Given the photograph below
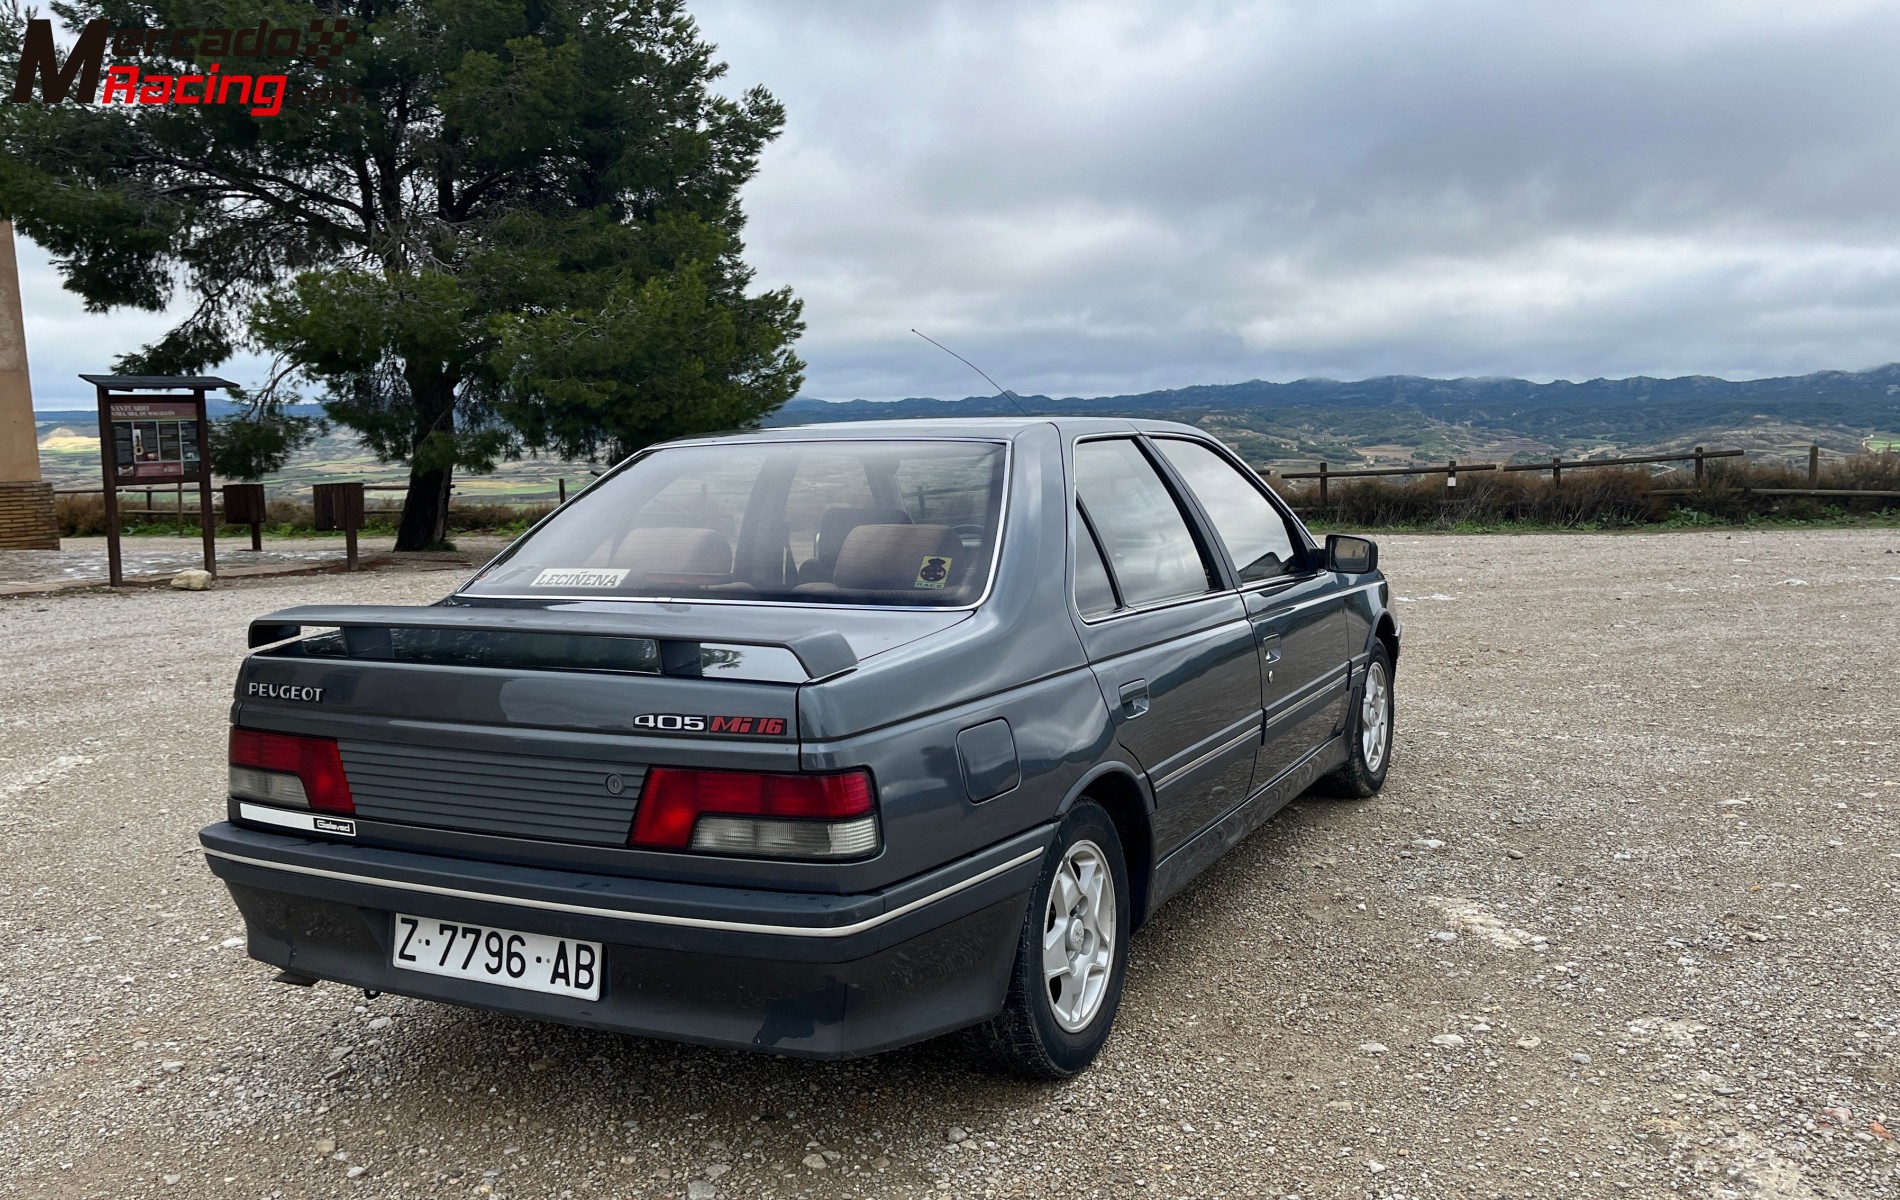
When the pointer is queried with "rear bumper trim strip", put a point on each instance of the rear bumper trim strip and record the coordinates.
(618, 914)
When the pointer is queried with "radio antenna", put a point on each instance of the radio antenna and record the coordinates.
(1002, 391)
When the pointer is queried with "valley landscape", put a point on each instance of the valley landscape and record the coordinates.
(1389, 421)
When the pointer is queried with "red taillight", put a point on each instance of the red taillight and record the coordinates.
(316, 763)
(675, 799)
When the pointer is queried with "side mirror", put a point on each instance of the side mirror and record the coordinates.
(1351, 555)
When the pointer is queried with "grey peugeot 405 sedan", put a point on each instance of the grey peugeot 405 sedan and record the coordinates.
(816, 741)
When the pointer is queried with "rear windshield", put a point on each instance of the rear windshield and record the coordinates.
(821, 522)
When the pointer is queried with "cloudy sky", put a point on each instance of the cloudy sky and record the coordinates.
(1103, 197)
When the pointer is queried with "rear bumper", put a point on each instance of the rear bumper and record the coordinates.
(813, 975)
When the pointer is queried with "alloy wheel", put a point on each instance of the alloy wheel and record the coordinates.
(1078, 936)
(1375, 719)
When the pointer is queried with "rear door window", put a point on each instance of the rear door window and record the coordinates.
(1256, 536)
(1148, 541)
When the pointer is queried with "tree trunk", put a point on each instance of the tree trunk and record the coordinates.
(425, 510)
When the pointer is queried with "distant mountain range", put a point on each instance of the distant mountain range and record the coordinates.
(1390, 420)
(1407, 417)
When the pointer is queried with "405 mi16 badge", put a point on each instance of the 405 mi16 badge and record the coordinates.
(707, 723)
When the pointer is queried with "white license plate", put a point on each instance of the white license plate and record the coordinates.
(531, 961)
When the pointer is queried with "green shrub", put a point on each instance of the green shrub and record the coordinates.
(1583, 499)
(80, 516)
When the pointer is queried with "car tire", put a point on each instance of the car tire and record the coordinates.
(1369, 730)
(1053, 1023)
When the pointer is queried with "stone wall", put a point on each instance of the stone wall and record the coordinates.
(26, 517)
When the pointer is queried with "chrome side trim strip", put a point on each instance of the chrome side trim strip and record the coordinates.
(642, 918)
(1341, 594)
(1252, 731)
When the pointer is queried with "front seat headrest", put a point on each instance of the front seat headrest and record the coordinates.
(672, 550)
(837, 523)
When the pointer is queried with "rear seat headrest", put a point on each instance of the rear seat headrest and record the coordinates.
(922, 558)
(671, 550)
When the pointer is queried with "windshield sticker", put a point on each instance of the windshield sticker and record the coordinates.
(933, 572)
(581, 577)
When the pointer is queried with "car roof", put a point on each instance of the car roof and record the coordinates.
(1002, 428)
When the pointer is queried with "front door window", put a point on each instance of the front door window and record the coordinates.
(1252, 529)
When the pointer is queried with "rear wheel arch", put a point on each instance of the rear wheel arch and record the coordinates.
(1071, 955)
(1120, 793)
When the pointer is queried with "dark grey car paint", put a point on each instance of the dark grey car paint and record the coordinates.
(920, 708)
(1301, 630)
(1184, 689)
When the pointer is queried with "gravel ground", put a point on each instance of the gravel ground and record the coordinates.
(1623, 923)
(83, 560)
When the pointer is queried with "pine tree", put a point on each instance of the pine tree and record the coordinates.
(521, 234)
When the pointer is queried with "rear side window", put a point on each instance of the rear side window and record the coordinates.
(910, 523)
(1252, 529)
(1147, 540)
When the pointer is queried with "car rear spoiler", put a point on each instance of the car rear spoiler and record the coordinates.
(822, 653)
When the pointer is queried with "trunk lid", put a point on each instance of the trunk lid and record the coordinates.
(540, 722)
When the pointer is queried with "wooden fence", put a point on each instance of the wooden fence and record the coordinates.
(1556, 467)
(557, 496)
(177, 511)
(181, 514)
